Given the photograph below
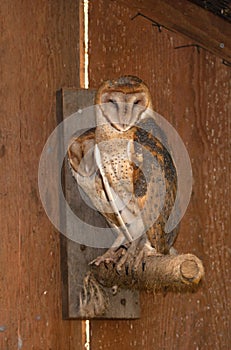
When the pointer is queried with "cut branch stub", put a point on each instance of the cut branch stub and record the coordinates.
(160, 271)
(189, 270)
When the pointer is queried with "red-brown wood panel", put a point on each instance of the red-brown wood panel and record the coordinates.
(192, 91)
(39, 55)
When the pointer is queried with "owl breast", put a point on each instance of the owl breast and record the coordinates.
(116, 158)
(114, 149)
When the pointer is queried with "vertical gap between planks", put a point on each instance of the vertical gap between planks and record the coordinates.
(20, 230)
(84, 83)
(83, 40)
(87, 335)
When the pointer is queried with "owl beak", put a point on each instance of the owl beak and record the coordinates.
(124, 118)
(122, 127)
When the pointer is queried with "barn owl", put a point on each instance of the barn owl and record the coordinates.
(133, 175)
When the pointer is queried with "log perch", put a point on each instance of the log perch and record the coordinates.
(178, 273)
(174, 272)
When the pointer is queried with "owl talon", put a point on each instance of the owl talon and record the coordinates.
(123, 247)
(111, 256)
(118, 273)
(127, 260)
(133, 271)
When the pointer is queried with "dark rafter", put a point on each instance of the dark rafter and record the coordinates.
(221, 8)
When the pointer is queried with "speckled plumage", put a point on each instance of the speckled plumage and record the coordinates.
(132, 166)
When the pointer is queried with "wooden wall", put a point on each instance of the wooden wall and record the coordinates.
(39, 55)
(192, 91)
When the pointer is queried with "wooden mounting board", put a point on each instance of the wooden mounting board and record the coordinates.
(74, 256)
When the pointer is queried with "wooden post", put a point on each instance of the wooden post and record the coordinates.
(75, 257)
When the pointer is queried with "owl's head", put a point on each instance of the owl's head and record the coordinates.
(123, 101)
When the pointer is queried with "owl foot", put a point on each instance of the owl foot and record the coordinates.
(128, 258)
(112, 255)
(136, 256)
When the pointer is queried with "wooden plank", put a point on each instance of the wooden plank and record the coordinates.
(202, 27)
(9, 181)
(76, 256)
(39, 54)
(192, 91)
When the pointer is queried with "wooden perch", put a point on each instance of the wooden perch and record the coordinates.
(173, 272)
(160, 272)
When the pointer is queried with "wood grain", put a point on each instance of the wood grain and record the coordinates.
(204, 28)
(192, 91)
(39, 55)
(163, 272)
(76, 256)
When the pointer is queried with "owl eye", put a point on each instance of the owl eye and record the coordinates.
(112, 101)
(115, 104)
(137, 102)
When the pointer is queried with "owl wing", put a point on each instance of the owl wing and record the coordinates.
(155, 184)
